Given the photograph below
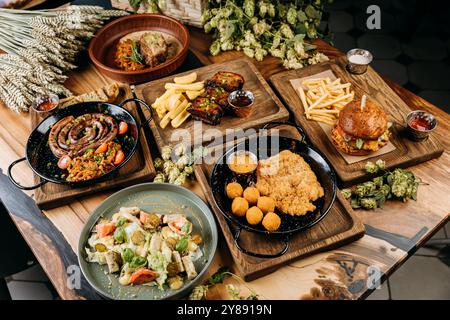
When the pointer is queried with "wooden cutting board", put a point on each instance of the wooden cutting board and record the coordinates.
(340, 226)
(138, 169)
(267, 106)
(407, 153)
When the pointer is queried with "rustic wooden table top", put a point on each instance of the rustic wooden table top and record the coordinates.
(393, 233)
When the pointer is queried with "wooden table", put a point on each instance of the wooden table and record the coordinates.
(393, 233)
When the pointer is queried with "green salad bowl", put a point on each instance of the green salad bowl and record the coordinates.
(161, 198)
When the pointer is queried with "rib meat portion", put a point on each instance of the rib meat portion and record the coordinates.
(154, 48)
(230, 81)
(206, 109)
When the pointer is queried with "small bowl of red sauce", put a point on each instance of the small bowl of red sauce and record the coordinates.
(45, 104)
(241, 102)
(420, 124)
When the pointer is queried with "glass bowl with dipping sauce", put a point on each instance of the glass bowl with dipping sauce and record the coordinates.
(241, 102)
(419, 124)
(45, 104)
(358, 60)
(243, 164)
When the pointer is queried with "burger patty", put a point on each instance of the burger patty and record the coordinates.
(348, 144)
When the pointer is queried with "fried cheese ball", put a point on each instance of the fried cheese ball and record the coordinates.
(266, 204)
(251, 194)
(254, 216)
(234, 190)
(271, 221)
(239, 207)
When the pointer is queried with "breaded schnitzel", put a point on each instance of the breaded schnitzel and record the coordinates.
(289, 180)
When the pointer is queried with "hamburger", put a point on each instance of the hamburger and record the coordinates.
(360, 131)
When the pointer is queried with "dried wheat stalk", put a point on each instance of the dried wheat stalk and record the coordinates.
(40, 46)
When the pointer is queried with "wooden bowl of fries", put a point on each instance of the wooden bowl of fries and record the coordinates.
(102, 46)
(324, 98)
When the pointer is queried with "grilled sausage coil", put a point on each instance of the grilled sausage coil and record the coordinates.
(73, 136)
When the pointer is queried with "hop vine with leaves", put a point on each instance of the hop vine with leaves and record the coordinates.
(200, 291)
(263, 27)
(150, 6)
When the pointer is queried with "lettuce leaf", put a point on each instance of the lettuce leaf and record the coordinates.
(157, 262)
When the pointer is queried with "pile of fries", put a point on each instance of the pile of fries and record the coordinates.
(171, 107)
(324, 99)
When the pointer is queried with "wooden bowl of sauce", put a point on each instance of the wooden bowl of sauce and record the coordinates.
(45, 105)
(241, 102)
(419, 124)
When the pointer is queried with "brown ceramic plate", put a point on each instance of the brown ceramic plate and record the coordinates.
(103, 46)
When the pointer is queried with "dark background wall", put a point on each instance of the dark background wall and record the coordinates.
(412, 48)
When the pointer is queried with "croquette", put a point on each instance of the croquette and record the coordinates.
(271, 221)
(266, 204)
(254, 216)
(251, 194)
(239, 207)
(234, 190)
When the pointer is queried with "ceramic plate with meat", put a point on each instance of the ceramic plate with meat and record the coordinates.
(145, 49)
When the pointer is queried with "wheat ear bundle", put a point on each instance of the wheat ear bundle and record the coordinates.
(40, 47)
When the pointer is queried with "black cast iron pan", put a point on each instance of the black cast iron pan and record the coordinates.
(264, 148)
(44, 163)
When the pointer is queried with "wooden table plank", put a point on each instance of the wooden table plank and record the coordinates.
(397, 225)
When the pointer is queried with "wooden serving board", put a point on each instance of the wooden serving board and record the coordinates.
(267, 106)
(407, 153)
(340, 226)
(138, 169)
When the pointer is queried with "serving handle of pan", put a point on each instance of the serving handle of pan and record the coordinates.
(139, 101)
(261, 255)
(18, 185)
(286, 123)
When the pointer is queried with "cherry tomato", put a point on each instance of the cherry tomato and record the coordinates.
(120, 156)
(102, 148)
(123, 127)
(64, 162)
(143, 275)
(105, 229)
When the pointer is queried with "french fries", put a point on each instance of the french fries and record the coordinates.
(171, 106)
(181, 117)
(324, 99)
(173, 101)
(187, 79)
(194, 94)
(196, 86)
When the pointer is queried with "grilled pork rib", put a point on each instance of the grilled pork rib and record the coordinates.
(154, 48)
(205, 109)
(218, 94)
(230, 81)
(210, 106)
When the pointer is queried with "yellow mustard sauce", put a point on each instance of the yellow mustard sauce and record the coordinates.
(242, 164)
